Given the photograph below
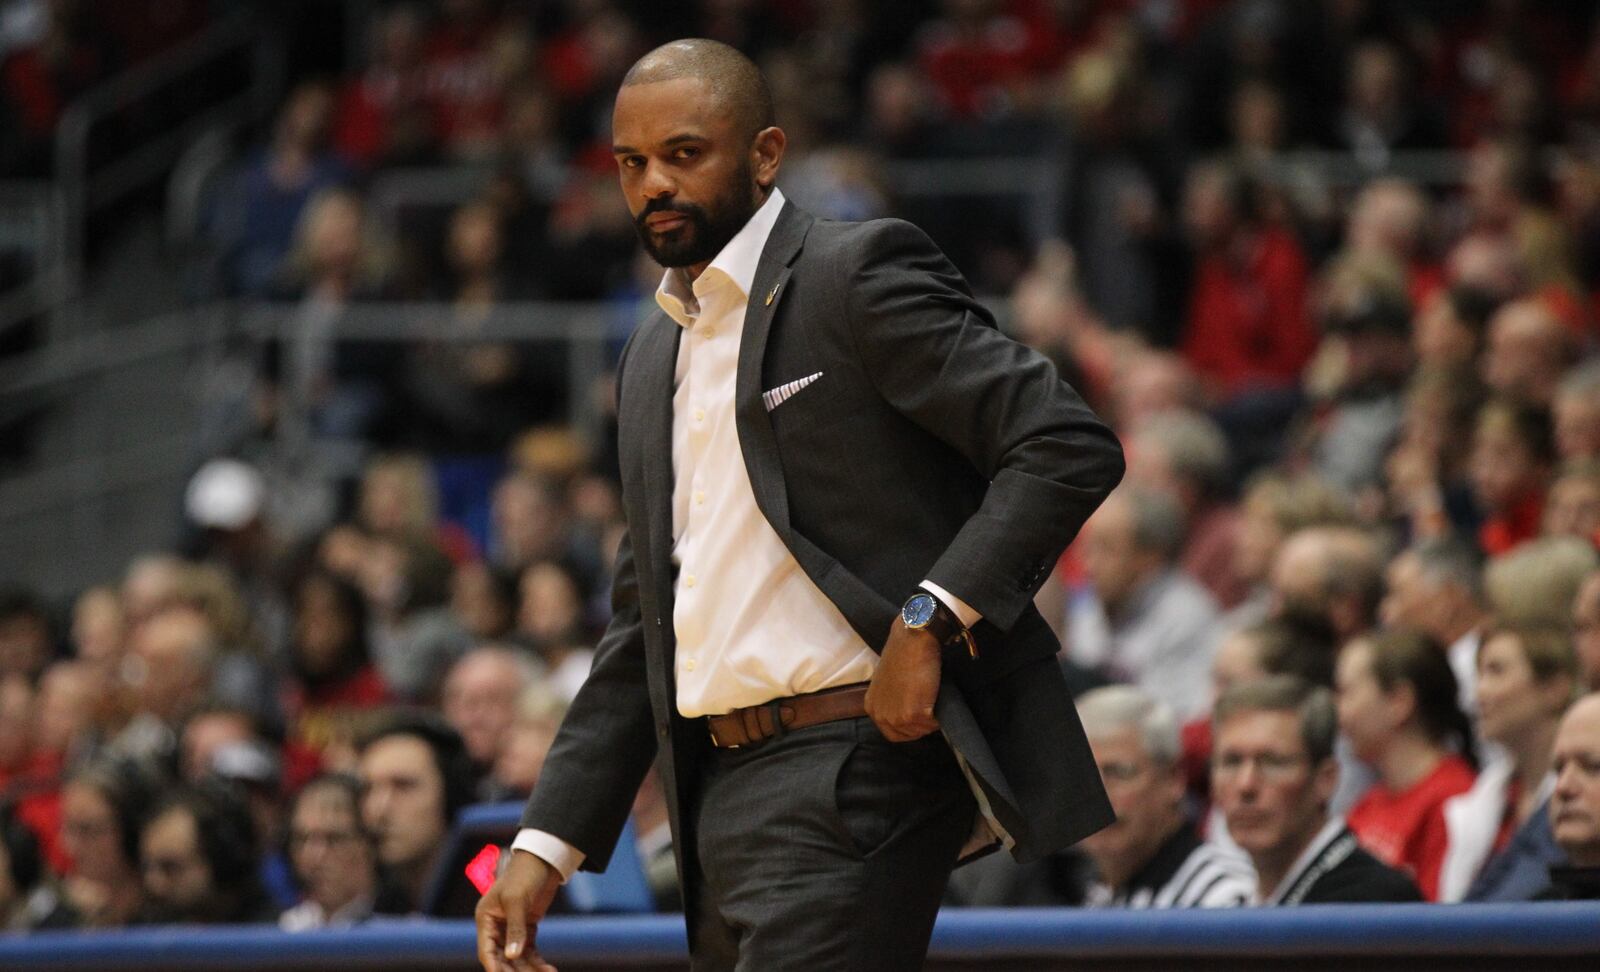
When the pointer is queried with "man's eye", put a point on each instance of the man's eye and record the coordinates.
(686, 153)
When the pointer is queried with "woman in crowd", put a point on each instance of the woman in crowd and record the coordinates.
(1500, 846)
(1397, 707)
(102, 805)
(334, 677)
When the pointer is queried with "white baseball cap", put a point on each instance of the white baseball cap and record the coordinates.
(225, 494)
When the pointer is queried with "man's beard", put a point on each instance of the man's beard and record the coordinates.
(704, 232)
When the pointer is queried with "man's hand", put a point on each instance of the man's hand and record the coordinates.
(905, 686)
(509, 913)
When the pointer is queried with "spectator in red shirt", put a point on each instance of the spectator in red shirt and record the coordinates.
(978, 56)
(334, 678)
(382, 115)
(38, 81)
(1510, 466)
(1248, 327)
(1398, 707)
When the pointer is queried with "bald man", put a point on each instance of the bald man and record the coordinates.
(843, 487)
(1527, 352)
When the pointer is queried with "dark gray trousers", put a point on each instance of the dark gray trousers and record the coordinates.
(826, 849)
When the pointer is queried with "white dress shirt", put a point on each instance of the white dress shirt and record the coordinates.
(750, 624)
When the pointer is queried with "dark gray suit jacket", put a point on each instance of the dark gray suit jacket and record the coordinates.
(931, 447)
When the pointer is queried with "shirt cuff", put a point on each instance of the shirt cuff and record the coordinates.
(551, 849)
(962, 609)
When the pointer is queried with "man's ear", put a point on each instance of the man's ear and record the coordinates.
(1325, 780)
(766, 155)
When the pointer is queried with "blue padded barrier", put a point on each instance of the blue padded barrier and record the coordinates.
(964, 938)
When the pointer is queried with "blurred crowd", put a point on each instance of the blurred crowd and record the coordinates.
(1342, 617)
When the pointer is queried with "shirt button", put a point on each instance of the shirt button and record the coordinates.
(699, 415)
(688, 581)
(710, 333)
(699, 499)
(688, 665)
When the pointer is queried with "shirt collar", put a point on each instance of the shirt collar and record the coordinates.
(1330, 832)
(736, 263)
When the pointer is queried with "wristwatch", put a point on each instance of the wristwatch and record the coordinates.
(924, 612)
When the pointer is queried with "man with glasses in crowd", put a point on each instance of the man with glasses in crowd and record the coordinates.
(1273, 773)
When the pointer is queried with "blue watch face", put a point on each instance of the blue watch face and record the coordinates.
(919, 610)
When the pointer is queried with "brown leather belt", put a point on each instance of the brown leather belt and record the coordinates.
(757, 723)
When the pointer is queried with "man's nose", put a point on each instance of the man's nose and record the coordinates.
(1567, 782)
(657, 182)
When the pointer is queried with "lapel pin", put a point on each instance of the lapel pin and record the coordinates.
(773, 293)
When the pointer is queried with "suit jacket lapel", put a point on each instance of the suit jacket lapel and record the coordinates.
(657, 358)
(756, 440)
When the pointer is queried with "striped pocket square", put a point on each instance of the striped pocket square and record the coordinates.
(786, 391)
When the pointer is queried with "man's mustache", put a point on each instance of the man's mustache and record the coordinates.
(695, 213)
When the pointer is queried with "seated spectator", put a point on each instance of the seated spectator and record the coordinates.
(1448, 333)
(1426, 472)
(1273, 773)
(1390, 218)
(1329, 576)
(1435, 587)
(1575, 802)
(1576, 412)
(1586, 632)
(480, 700)
(334, 859)
(26, 642)
(472, 396)
(257, 218)
(197, 851)
(333, 679)
(1397, 706)
(1185, 455)
(415, 775)
(414, 637)
(1151, 856)
(1274, 508)
(1364, 362)
(99, 628)
(1500, 841)
(1510, 467)
(1527, 351)
(527, 743)
(167, 674)
(550, 621)
(102, 806)
(1572, 508)
(1537, 582)
(29, 897)
(399, 499)
(1143, 620)
(484, 600)
(65, 710)
(383, 115)
(40, 80)
(1248, 330)
(530, 522)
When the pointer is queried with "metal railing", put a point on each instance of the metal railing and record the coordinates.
(31, 227)
(199, 357)
(87, 185)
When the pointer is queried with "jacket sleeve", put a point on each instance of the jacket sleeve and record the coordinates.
(935, 354)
